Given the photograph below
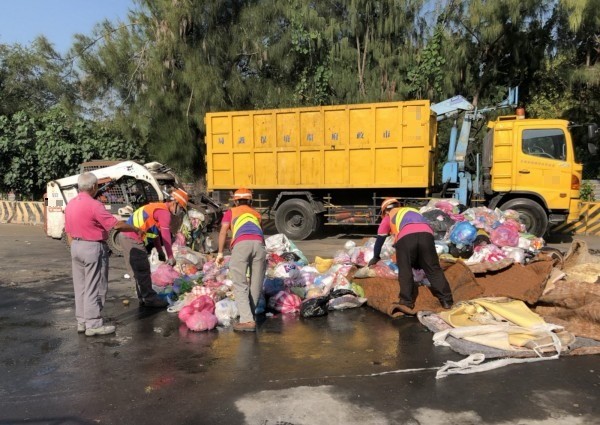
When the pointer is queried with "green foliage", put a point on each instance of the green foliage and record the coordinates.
(552, 96)
(426, 79)
(33, 78)
(586, 191)
(35, 150)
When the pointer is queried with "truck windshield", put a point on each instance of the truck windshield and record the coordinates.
(545, 143)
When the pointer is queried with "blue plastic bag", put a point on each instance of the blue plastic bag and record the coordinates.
(463, 233)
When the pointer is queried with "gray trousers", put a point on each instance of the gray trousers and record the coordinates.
(246, 255)
(90, 280)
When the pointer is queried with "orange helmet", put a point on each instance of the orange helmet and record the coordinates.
(242, 193)
(388, 203)
(181, 197)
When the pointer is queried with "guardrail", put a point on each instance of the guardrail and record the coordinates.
(588, 223)
(21, 212)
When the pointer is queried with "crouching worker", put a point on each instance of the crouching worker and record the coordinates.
(247, 253)
(155, 220)
(415, 248)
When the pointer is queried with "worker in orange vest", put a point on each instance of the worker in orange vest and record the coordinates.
(154, 220)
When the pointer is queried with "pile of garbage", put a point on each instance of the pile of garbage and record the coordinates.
(201, 292)
(480, 235)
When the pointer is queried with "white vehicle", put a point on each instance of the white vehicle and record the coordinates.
(123, 187)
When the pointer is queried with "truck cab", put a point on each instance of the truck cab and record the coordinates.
(529, 165)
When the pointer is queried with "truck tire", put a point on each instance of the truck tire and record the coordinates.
(296, 219)
(114, 244)
(532, 215)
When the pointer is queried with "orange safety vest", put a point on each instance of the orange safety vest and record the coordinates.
(244, 221)
(143, 218)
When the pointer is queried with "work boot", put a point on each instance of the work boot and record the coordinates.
(102, 330)
(245, 327)
(154, 303)
(407, 310)
(80, 328)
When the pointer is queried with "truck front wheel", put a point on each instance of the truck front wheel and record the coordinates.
(531, 213)
(296, 219)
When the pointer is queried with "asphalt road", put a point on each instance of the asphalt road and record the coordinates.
(350, 367)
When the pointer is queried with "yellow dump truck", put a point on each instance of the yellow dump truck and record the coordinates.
(333, 164)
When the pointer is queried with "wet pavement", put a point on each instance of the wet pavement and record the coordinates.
(350, 367)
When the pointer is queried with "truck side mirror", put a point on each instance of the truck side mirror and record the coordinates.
(592, 148)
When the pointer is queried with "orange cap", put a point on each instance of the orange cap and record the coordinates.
(388, 203)
(181, 197)
(242, 193)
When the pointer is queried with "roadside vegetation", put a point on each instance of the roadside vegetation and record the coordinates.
(139, 89)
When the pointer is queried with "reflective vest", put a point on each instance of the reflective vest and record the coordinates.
(400, 217)
(143, 218)
(244, 221)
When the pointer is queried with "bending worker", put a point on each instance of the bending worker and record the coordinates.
(415, 247)
(247, 253)
(87, 224)
(155, 220)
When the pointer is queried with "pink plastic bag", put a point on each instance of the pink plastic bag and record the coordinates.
(203, 303)
(201, 321)
(382, 270)
(285, 302)
(504, 235)
(164, 275)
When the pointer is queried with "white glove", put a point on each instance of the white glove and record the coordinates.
(219, 260)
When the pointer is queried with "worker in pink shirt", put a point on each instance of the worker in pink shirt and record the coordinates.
(415, 248)
(154, 220)
(248, 253)
(87, 224)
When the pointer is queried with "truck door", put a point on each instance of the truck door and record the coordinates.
(544, 164)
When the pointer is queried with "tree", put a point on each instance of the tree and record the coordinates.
(52, 145)
(33, 79)
(494, 44)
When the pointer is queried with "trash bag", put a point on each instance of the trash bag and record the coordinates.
(226, 310)
(285, 302)
(272, 285)
(164, 275)
(364, 272)
(314, 307)
(341, 292)
(504, 235)
(290, 256)
(358, 290)
(345, 301)
(201, 321)
(463, 233)
(460, 252)
(439, 221)
(322, 264)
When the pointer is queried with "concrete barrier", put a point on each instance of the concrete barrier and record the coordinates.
(20, 212)
(588, 223)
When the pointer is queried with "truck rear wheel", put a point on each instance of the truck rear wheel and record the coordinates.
(296, 219)
(114, 243)
(531, 213)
